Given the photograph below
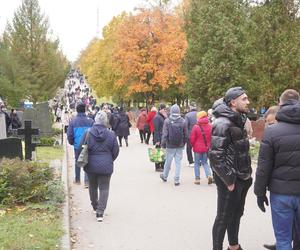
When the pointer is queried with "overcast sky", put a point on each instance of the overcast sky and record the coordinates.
(74, 22)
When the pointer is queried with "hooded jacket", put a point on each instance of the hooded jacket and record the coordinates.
(196, 137)
(279, 156)
(158, 122)
(229, 154)
(103, 149)
(174, 118)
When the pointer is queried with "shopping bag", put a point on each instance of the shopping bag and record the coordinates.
(157, 155)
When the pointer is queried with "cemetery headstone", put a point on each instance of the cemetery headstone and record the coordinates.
(44, 120)
(11, 148)
(258, 128)
(2, 126)
(40, 117)
(28, 132)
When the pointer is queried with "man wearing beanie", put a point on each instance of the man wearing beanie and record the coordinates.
(174, 137)
(231, 164)
(77, 127)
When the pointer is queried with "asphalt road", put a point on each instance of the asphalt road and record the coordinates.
(143, 213)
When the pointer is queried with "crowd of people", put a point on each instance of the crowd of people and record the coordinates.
(217, 139)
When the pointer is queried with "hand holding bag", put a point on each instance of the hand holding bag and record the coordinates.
(83, 157)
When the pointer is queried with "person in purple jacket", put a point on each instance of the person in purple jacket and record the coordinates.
(103, 149)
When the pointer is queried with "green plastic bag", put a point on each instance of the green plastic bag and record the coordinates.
(157, 155)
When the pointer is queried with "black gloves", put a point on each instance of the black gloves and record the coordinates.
(260, 202)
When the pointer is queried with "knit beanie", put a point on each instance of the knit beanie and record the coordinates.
(101, 118)
(201, 114)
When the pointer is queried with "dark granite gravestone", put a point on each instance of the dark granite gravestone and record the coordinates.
(258, 128)
(40, 117)
(44, 120)
(11, 148)
(28, 132)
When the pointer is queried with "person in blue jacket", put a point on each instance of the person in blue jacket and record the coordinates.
(103, 149)
(77, 127)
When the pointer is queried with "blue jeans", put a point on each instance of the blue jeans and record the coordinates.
(285, 210)
(175, 153)
(201, 158)
(78, 169)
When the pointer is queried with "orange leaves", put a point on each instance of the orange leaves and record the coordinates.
(149, 50)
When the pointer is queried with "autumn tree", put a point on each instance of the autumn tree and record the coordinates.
(149, 51)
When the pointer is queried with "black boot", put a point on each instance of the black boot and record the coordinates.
(271, 247)
(126, 141)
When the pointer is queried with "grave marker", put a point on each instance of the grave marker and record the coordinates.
(11, 148)
(28, 132)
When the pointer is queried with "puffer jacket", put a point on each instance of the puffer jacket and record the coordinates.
(229, 155)
(279, 155)
(196, 138)
(103, 149)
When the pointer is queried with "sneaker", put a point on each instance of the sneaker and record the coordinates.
(197, 181)
(162, 177)
(177, 183)
(99, 217)
(271, 247)
(86, 185)
(209, 180)
(191, 165)
(76, 182)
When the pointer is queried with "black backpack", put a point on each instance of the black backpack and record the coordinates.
(175, 135)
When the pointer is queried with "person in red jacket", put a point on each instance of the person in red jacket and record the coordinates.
(200, 140)
(140, 124)
(149, 121)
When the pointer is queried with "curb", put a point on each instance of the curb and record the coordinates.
(65, 241)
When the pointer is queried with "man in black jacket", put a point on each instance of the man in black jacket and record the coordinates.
(279, 170)
(231, 163)
(158, 122)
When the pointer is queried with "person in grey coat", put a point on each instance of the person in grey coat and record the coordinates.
(103, 150)
(174, 137)
(191, 120)
(122, 126)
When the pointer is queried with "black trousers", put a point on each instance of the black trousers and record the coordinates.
(230, 208)
(148, 137)
(125, 138)
(189, 152)
(142, 135)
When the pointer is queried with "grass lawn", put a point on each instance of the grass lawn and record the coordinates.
(30, 227)
(46, 154)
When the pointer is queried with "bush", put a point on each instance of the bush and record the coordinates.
(46, 141)
(25, 181)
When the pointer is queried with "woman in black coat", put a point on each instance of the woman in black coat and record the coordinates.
(122, 126)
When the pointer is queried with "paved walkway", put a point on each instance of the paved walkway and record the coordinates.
(144, 213)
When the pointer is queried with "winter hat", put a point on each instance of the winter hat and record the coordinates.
(201, 114)
(162, 106)
(175, 110)
(233, 93)
(101, 118)
(80, 108)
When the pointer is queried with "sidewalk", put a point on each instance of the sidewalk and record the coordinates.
(143, 213)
